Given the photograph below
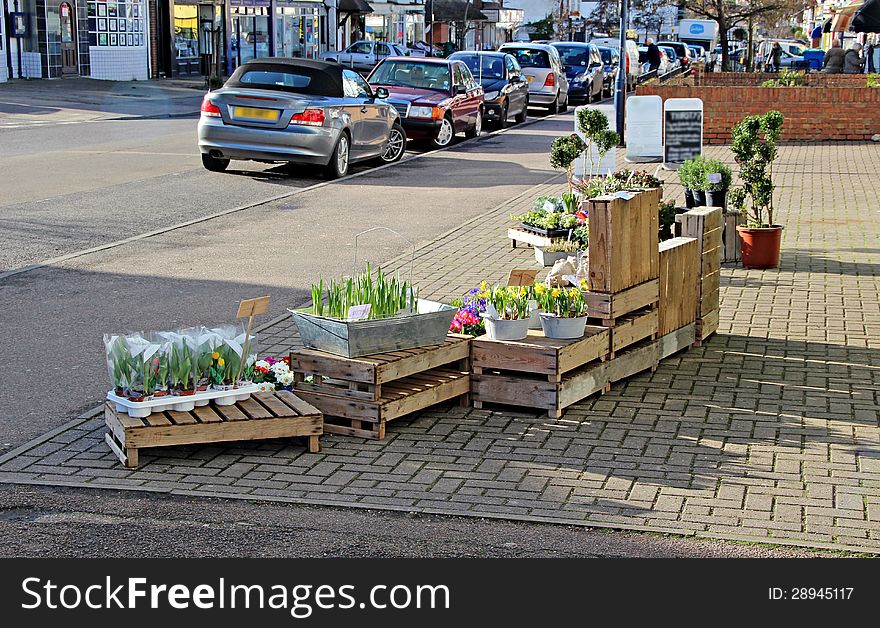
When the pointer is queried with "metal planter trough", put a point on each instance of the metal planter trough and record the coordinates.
(352, 339)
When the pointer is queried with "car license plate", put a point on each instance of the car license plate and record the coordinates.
(254, 113)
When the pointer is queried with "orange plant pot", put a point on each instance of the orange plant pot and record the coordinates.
(760, 246)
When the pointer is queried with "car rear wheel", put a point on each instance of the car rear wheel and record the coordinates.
(445, 135)
(502, 116)
(475, 130)
(214, 164)
(554, 106)
(338, 166)
(522, 115)
(564, 105)
(396, 145)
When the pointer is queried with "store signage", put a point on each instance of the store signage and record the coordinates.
(644, 129)
(682, 130)
(20, 24)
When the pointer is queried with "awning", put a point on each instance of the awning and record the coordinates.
(867, 19)
(844, 15)
(354, 6)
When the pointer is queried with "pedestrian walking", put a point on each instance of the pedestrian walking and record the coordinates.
(653, 56)
(833, 61)
(853, 63)
(776, 56)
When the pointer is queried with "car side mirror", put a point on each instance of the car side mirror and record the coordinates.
(381, 92)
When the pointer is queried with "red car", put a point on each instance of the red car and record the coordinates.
(435, 98)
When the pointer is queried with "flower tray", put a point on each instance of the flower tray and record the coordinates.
(352, 339)
(181, 403)
(547, 233)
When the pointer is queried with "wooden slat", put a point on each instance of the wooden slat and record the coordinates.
(679, 271)
(632, 328)
(157, 418)
(602, 305)
(276, 407)
(296, 404)
(206, 414)
(181, 418)
(226, 431)
(642, 356)
(254, 410)
(676, 340)
(231, 413)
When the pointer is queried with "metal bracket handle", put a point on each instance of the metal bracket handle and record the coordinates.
(412, 258)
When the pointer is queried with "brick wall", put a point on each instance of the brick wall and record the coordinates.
(811, 113)
(720, 79)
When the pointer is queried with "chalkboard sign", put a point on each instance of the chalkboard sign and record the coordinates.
(682, 129)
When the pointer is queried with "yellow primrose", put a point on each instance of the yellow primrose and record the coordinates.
(221, 362)
(215, 355)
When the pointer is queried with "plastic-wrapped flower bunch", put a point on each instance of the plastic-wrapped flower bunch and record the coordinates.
(272, 374)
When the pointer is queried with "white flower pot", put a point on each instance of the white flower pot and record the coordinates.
(507, 329)
(562, 328)
(547, 258)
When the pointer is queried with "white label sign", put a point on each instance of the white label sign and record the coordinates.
(714, 177)
(359, 312)
(644, 129)
(609, 162)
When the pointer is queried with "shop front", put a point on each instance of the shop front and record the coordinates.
(280, 28)
(399, 23)
(194, 33)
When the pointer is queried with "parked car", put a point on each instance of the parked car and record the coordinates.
(664, 67)
(682, 52)
(505, 89)
(611, 59)
(298, 111)
(435, 98)
(674, 61)
(364, 55)
(542, 67)
(698, 53)
(632, 66)
(584, 70)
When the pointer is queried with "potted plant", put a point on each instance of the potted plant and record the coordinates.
(507, 313)
(564, 312)
(692, 175)
(594, 125)
(718, 177)
(563, 152)
(558, 249)
(754, 145)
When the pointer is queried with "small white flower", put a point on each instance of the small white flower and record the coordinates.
(280, 367)
(262, 364)
(285, 379)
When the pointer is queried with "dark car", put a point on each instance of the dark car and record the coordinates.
(611, 59)
(505, 89)
(682, 51)
(584, 70)
(435, 98)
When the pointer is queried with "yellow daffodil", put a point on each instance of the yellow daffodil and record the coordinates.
(584, 285)
(540, 288)
(574, 292)
(555, 293)
(215, 355)
(221, 362)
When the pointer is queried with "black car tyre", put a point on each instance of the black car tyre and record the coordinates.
(522, 115)
(396, 145)
(339, 160)
(445, 135)
(564, 105)
(554, 106)
(502, 117)
(475, 130)
(213, 164)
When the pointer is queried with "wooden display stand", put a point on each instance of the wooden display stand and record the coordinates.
(705, 224)
(540, 372)
(359, 395)
(679, 270)
(528, 238)
(278, 414)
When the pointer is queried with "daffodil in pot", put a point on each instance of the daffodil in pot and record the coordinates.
(563, 313)
(754, 145)
(507, 313)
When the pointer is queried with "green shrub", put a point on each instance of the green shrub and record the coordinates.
(714, 166)
(692, 174)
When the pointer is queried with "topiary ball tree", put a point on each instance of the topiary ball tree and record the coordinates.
(564, 151)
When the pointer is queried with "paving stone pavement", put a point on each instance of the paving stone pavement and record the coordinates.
(769, 432)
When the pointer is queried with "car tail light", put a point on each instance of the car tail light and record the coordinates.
(209, 109)
(309, 117)
(550, 81)
(627, 63)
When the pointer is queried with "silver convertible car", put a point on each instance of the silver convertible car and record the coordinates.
(298, 111)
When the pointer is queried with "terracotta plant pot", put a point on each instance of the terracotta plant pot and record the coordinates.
(186, 393)
(760, 246)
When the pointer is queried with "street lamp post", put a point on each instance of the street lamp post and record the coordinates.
(620, 90)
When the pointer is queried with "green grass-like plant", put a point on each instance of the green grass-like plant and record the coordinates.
(386, 295)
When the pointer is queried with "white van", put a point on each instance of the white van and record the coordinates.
(633, 67)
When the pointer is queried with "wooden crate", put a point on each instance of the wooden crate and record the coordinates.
(640, 357)
(623, 241)
(279, 414)
(675, 341)
(363, 377)
(730, 237)
(608, 307)
(528, 238)
(680, 260)
(706, 225)
(540, 372)
(359, 395)
(632, 328)
(367, 419)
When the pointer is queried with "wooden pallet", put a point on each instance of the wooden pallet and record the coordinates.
(528, 238)
(632, 328)
(675, 341)
(359, 395)
(539, 372)
(367, 419)
(363, 377)
(640, 357)
(278, 414)
(623, 241)
(705, 327)
(706, 225)
(608, 307)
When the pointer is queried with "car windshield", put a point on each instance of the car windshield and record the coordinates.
(669, 51)
(412, 74)
(530, 58)
(482, 66)
(606, 55)
(573, 55)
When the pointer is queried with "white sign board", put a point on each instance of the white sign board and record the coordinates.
(682, 130)
(644, 129)
(609, 162)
